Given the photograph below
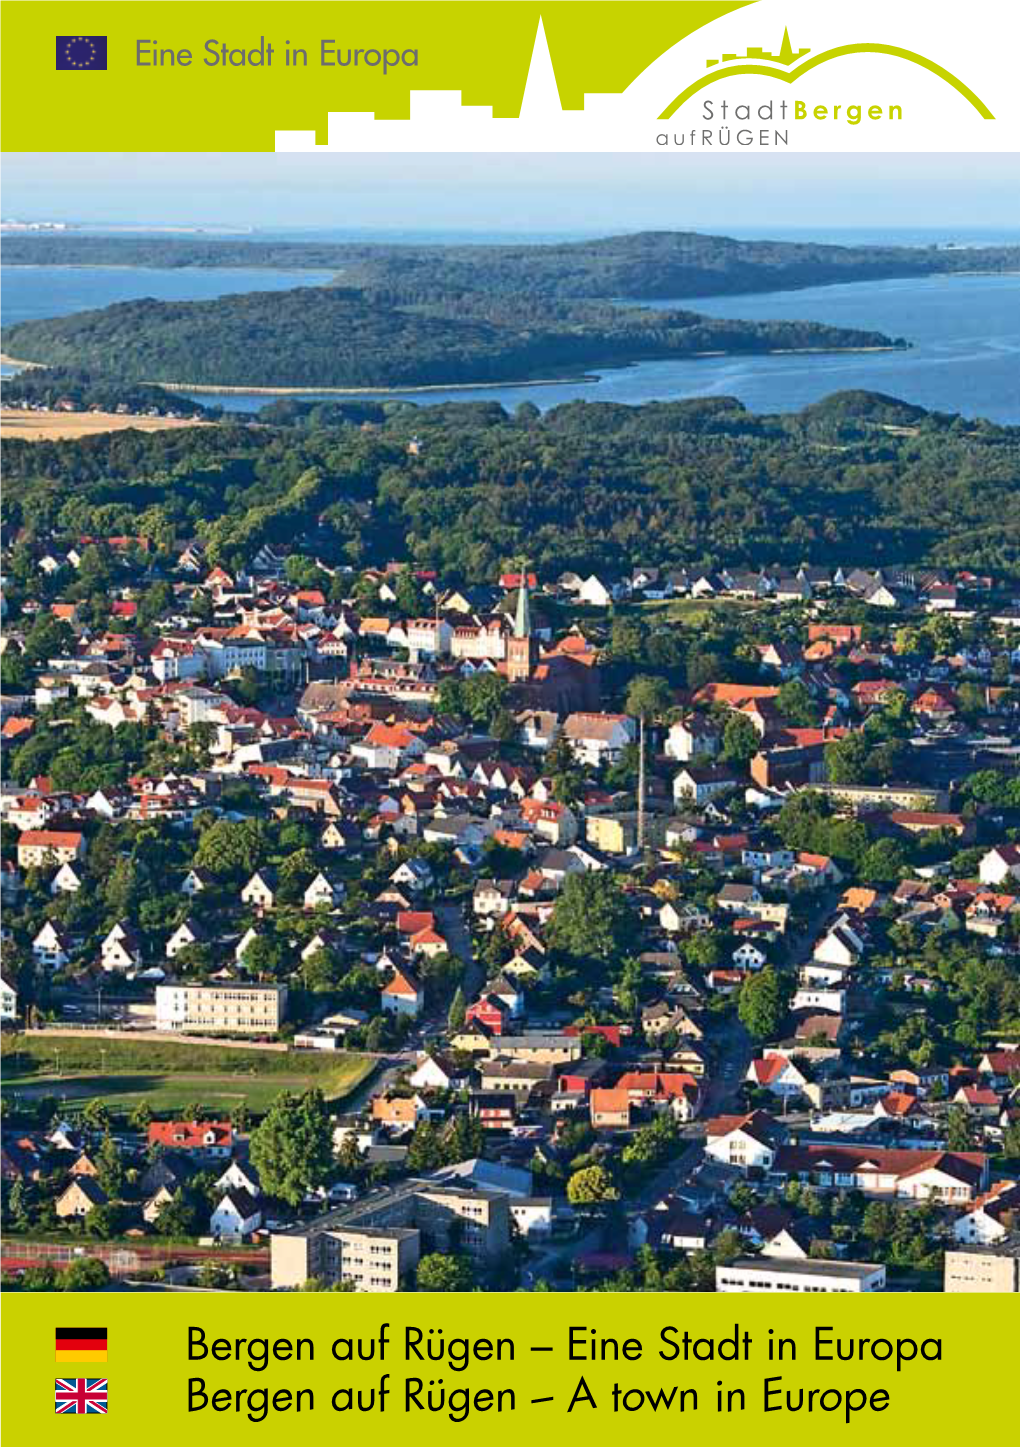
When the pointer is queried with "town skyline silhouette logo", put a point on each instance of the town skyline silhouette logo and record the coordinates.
(756, 61)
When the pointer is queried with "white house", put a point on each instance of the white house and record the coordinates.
(51, 947)
(403, 995)
(186, 934)
(818, 997)
(595, 593)
(1000, 864)
(840, 946)
(740, 1140)
(8, 1002)
(416, 874)
(122, 948)
(432, 1073)
(323, 892)
(991, 1217)
(67, 880)
(700, 783)
(749, 957)
(260, 891)
(599, 738)
(691, 738)
(776, 1074)
(238, 1214)
(239, 1177)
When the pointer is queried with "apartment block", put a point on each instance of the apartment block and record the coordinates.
(984, 1268)
(376, 1243)
(221, 1009)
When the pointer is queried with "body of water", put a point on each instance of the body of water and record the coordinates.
(965, 332)
(31, 292)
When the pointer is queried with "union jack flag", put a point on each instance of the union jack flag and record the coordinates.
(80, 1394)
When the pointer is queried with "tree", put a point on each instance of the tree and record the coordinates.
(883, 862)
(704, 949)
(232, 847)
(590, 1186)
(958, 1136)
(463, 1140)
(292, 1149)
(648, 697)
(591, 916)
(425, 1153)
(761, 1006)
(444, 1273)
(110, 1166)
(180, 1216)
(740, 740)
(878, 1221)
(322, 971)
(85, 1275)
(456, 1014)
(652, 1144)
(264, 956)
(795, 703)
(847, 760)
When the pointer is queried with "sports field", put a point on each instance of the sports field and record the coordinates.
(170, 1077)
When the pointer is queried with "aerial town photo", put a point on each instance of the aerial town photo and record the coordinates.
(511, 737)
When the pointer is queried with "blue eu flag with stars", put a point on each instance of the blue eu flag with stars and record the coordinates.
(81, 52)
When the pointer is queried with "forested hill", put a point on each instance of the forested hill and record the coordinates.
(647, 265)
(858, 479)
(316, 337)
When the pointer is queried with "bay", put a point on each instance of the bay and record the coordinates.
(965, 331)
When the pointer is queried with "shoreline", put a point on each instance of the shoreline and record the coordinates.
(223, 389)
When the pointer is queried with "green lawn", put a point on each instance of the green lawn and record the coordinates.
(168, 1077)
(690, 611)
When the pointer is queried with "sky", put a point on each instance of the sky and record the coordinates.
(517, 193)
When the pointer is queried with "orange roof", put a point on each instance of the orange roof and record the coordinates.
(609, 1101)
(734, 693)
(403, 983)
(14, 727)
(51, 838)
(412, 921)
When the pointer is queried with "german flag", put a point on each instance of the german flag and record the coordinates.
(81, 1344)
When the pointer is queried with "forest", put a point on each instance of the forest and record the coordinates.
(343, 337)
(653, 265)
(858, 478)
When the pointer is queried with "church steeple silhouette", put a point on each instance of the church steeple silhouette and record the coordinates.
(786, 49)
(521, 650)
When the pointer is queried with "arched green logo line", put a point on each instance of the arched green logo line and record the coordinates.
(789, 76)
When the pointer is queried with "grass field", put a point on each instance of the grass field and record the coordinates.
(690, 611)
(168, 1077)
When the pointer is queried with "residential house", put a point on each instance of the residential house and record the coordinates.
(237, 1214)
(82, 1195)
(403, 994)
(743, 1141)
(203, 1139)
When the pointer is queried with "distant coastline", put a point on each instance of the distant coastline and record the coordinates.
(213, 389)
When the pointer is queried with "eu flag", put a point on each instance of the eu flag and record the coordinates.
(81, 52)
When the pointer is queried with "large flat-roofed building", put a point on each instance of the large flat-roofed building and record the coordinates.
(758, 1273)
(232, 1009)
(376, 1242)
(984, 1268)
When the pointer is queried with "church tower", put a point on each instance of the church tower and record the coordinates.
(521, 647)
